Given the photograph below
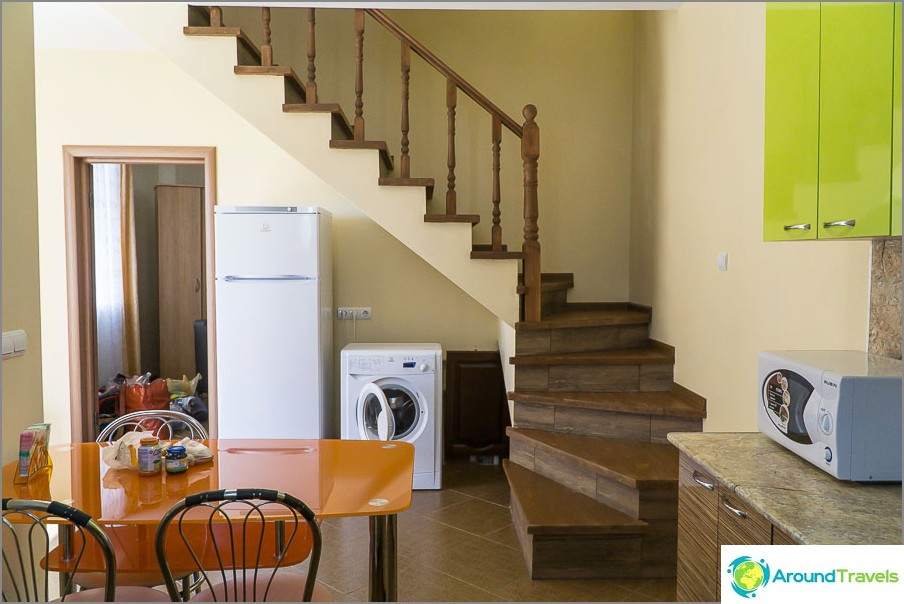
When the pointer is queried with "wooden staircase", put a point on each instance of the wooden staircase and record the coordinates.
(593, 479)
(594, 483)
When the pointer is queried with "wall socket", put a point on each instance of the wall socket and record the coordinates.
(358, 313)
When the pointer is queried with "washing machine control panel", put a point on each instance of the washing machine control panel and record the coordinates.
(396, 364)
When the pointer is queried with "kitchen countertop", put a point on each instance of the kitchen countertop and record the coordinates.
(806, 503)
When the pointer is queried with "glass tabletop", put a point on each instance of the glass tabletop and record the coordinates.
(333, 477)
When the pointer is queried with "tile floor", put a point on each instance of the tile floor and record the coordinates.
(458, 544)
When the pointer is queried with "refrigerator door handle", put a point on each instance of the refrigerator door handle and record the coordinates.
(231, 278)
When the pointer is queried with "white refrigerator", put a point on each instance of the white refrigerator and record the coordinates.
(274, 322)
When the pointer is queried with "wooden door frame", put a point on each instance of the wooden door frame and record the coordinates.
(82, 312)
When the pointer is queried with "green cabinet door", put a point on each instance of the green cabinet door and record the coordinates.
(896, 131)
(791, 170)
(855, 123)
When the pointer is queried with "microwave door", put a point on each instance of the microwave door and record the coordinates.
(785, 397)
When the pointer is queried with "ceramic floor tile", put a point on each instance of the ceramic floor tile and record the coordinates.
(419, 583)
(506, 536)
(424, 502)
(659, 590)
(474, 516)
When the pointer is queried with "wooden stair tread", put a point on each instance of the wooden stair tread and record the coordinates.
(378, 145)
(429, 183)
(549, 282)
(632, 463)
(491, 255)
(654, 354)
(487, 247)
(672, 404)
(590, 315)
(333, 108)
(471, 218)
(552, 509)
(233, 32)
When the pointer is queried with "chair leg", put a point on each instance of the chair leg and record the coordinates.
(186, 587)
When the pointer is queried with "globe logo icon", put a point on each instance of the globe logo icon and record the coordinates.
(748, 575)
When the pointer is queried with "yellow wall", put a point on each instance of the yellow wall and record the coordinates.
(575, 66)
(125, 96)
(698, 190)
(22, 400)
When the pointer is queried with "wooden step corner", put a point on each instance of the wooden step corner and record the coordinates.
(495, 255)
(473, 219)
(427, 183)
(385, 157)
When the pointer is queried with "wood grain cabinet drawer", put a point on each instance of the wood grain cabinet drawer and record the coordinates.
(739, 524)
(698, 547)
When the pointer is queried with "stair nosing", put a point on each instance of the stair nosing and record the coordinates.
(582, 400)
(525, 434)
(560, 320)
(615, 356)
(628, 525)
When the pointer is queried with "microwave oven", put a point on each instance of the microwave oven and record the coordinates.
(838, 409)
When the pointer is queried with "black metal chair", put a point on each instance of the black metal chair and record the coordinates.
(238, 540)
(26, 553)
(164, 424)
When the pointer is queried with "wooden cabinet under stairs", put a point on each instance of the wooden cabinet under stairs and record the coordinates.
(594, 482)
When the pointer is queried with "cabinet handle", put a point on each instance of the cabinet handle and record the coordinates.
(733, 510)
(802, 227)
(706, 485)
(851, 222)
(197, 284)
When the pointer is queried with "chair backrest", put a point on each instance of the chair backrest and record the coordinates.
(239, 538)
(26, 541)
(163, 424)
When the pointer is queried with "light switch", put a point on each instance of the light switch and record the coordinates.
(722, 261)
(14, 343)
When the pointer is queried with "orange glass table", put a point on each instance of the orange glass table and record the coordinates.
(333, 477)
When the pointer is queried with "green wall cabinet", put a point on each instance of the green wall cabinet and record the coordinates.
(832, 137)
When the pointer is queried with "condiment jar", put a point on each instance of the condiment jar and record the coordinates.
(149, 461)
(176, 460)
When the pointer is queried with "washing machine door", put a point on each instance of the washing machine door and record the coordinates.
(375, 419)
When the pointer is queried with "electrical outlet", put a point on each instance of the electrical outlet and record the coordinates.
(358, 313)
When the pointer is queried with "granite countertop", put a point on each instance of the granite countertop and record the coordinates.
(808, 504)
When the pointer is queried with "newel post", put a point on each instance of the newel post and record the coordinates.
(530, 153)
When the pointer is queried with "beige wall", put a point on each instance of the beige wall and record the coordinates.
(126, 96)
(22, 392)
(698, 190)
(575, 66)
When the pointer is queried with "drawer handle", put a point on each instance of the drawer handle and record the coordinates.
(802, 227)
(839, 223)
(733, 510)
(706, 485)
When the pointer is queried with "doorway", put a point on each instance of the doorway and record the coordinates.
(139, 229)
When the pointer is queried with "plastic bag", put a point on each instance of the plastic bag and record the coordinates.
(183, 387)
(143, 396)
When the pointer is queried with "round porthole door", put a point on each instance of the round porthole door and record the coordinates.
(375, 419)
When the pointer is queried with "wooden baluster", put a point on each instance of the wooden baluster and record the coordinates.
(359, 74)
(266, 49)
(405, 165)
(530, 153)
(310, 89)
(216, 16)
(497, 142)
(451, 196)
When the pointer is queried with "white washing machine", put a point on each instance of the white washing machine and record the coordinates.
(394, 392)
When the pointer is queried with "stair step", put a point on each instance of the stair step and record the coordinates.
(679, 402)
(565, 535)
(295, 91)
(550, 282)
(582, 314)
(385, 158)
(342, 129)
(410, 182)
(656, 353)
(487, 247)
(635, 416)
(473, 219)
(552, 509)
(491, 255)
(248, 52)
(634, 465)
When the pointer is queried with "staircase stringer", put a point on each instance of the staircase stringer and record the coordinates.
(258, 100)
